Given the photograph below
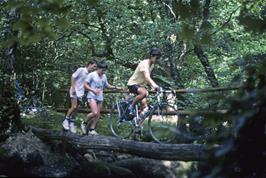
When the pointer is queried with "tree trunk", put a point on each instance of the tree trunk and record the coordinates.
(207, 67)
(198, 49)
(175, 74)
(183, 152)
(10, 113)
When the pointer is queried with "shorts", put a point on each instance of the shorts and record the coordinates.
(78, 98)
(133, 88)
(97, 101)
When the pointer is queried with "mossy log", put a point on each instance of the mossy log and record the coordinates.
(182, 152)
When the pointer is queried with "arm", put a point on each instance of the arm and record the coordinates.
(109, 86)
(87, 84)
(73, 80)
(114, 87)
(149, 79)
(73, 84)
(96, 91)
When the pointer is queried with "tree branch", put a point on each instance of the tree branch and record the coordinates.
(226, 22)
(170, 9)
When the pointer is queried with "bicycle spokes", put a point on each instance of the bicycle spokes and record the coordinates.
(120, 126)
(163, 123)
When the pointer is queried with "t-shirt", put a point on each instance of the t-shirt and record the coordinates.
(79, 76)
(96, 81)
(138, 76)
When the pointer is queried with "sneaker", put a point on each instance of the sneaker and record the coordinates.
(144, 113)
(83, 127)
(131, 110)
(65, 124)
(72, 126)
(93, 132)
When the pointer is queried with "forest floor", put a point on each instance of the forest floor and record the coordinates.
(53, 120)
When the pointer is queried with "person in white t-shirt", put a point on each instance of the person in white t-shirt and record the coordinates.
(76, 93)
(95, 83)
(140, 78)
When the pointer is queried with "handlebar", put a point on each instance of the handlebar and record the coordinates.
(162, 90)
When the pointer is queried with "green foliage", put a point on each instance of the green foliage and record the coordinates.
(55, 37)
(37, 19)
(253, 16)
(243, 152)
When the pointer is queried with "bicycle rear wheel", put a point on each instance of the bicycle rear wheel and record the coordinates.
(163, 123)
(120, 127)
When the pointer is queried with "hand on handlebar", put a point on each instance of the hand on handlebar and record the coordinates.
(158, 89)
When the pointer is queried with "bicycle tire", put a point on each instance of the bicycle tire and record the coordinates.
(163, 128)
(119, 128)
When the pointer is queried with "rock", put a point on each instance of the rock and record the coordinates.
(35, 159)
(54, 170)
(23, 154)
(106, 156)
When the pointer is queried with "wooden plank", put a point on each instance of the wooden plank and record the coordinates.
(185, 90)
(182, 112)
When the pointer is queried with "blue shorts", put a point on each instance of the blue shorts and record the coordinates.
(97, 101)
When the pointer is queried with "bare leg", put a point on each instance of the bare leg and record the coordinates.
(97, 117)
(74, 106)
(89, 116)
(94, 110)
(142, 93)
(144, 103)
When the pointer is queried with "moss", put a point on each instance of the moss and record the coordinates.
(2, 152)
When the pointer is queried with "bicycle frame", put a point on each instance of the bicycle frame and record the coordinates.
(120, 122)
(158, 102)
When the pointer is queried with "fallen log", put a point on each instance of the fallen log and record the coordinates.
(181, 152)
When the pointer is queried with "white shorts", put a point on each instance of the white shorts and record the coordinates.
(74, 96)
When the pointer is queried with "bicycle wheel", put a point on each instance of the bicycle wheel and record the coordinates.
(163, 123)
(119, 126)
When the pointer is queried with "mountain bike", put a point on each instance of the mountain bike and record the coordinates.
(161, 119)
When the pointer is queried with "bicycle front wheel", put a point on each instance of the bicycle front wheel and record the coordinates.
(120, 127)
(163, 123)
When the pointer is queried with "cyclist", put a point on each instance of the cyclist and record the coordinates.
(76, 93)
(95, 83)
(137, 82)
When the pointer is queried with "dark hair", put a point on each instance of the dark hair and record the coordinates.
(101, 65)
(91, 62)
(155, 52)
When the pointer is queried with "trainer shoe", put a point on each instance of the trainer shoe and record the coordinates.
(144, 113)
(72, 126)
(93, 132)
(83, 127)
(131, 111)
(65, 124)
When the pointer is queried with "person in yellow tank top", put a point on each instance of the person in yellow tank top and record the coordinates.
(140, 78)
